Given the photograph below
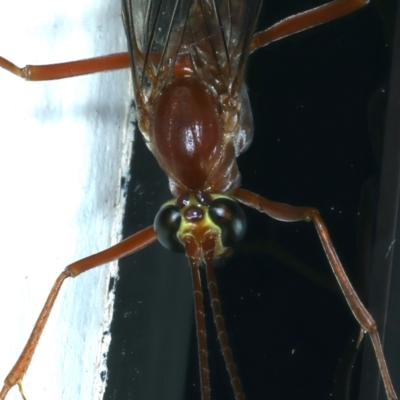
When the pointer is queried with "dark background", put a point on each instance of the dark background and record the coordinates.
(318, 101)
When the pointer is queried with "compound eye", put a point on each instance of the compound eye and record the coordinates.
(166, 225)
(231, 219)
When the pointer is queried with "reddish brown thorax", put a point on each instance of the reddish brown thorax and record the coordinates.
(194, 131)
(186, 132)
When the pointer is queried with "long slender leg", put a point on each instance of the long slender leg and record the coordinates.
(305, 20)
(68, 69)
(128, 246)
(287, 213)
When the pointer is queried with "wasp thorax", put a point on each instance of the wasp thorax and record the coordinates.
(196, 214)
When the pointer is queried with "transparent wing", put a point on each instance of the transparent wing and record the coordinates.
(214, 34)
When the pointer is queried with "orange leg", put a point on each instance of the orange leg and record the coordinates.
(68, 69)
(128, 246)
(286, 27)
(287, 213)
(305, 20)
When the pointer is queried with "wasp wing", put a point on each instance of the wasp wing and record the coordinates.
(216, 34)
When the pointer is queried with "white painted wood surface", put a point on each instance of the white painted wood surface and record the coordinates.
(60, 152)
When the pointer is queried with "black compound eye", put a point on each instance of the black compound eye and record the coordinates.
(228, 215)
(166, 225)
